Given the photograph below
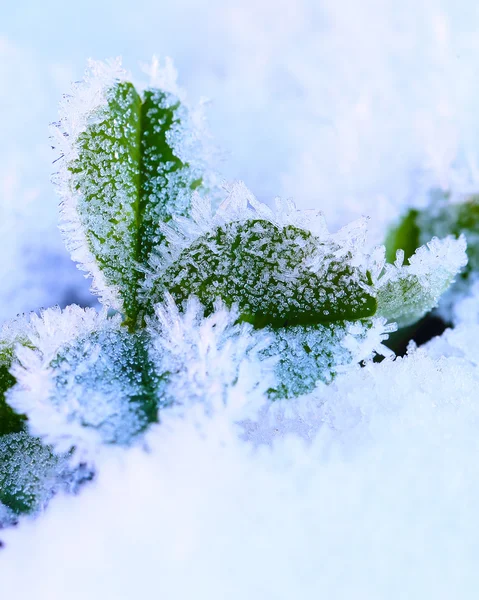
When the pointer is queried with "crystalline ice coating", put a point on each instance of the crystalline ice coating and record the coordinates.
(87, 381)
(443, 216)
(30, 473)
(106, 382)
(276, 273)
(12, 332)
(127, 167)
(408, 292)
(20, 477)
(213, 361)
(316, 353)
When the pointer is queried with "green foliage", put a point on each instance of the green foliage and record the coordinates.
(266, 270)
(439, 219)
(315, 296)
(107, 381)
(405, 236)
(444, 218)
(10, 422)
(31, 473)
(408, 297)
(129, 179)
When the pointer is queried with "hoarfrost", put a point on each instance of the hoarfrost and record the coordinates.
(45, 393)
(391, 454)
(31, 474)
(211, 361)
(129, 161)
(408, 292)
(277, 272)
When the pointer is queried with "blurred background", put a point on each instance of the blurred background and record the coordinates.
(352, 107)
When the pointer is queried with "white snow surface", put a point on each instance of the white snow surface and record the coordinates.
(380, 503)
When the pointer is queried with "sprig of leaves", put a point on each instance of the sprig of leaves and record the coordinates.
(246, 285)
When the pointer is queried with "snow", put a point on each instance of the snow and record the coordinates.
(380, 503)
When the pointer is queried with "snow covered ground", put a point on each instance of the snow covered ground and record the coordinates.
(354, 108)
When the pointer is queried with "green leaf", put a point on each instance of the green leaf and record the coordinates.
(10, 422)
(443, 218)
(128, 176)
(440, 219)
(13, 332)
(106, 381)
(311, 353)
(30, 473)
(405, 236)
(407, 293)
(276, 275)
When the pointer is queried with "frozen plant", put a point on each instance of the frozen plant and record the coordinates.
(233, 307)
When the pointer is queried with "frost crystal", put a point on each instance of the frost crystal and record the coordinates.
(127, 165)
(212, 360)
(408, 292)
(12, 333)
(85, 381)
(445, 215)
(30, 473)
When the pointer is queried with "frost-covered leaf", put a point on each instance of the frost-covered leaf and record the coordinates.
(312, 353)
(10, 421)
(127, 166)
(87, 380)
(442, 217)
(31, 473)
(407, 292)
(280, 270)
(13, 332)
(276, 273)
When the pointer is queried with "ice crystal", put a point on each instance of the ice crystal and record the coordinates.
(407, 292)
(126, 167)
(31, 473)
(309, 354)
(213, 360)
(12, 332)
(85, 381)
(443, 216)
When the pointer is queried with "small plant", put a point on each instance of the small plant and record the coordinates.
(267, 298)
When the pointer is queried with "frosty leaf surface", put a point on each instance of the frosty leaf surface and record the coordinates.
(86, 381)
(312, 353)
(440, 219)
(31, 473)
(276, 275)
(407, 292)
(13, 332)
(125, 173)
(10, 421)
(107, 382)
